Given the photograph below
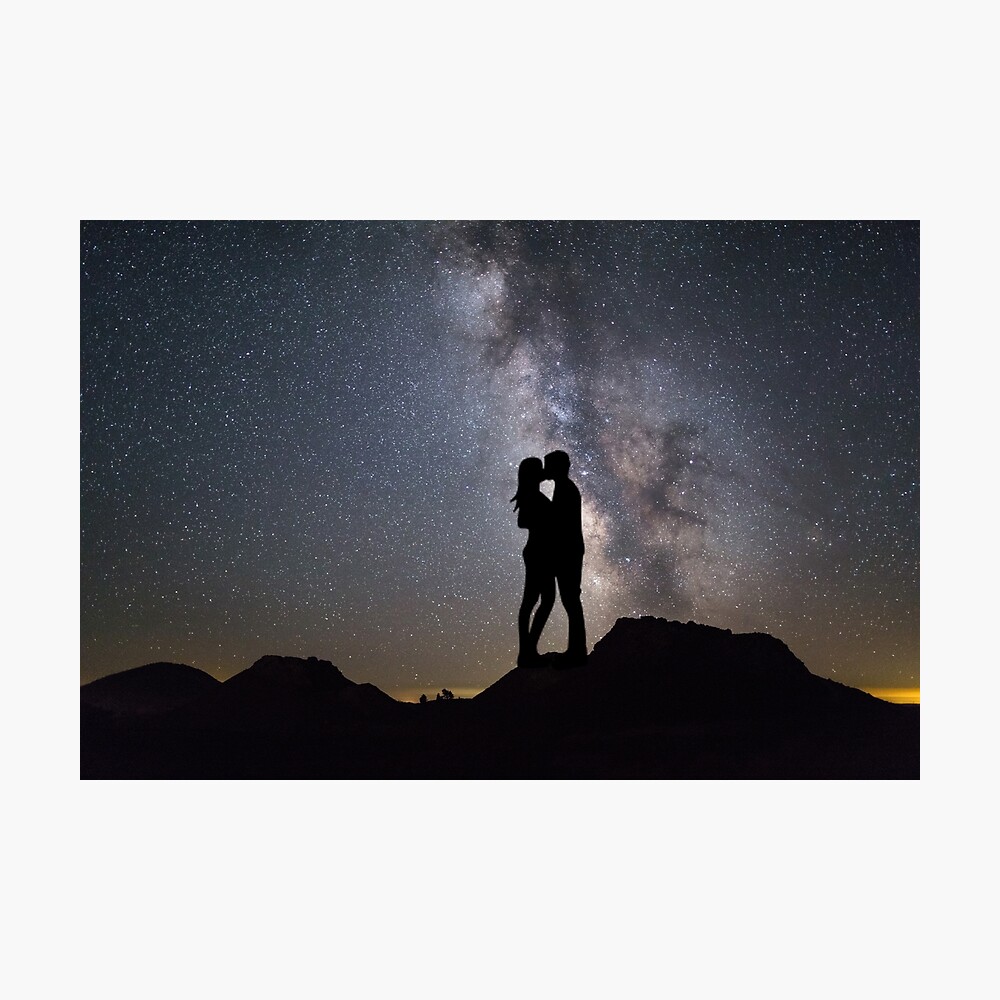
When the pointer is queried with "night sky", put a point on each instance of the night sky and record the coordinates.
(301, 438)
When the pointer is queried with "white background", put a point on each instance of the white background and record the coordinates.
(478, 889)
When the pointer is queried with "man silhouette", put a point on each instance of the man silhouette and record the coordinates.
(567, 544)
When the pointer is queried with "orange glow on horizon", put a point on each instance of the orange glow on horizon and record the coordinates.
(413, 694)
(899, 696)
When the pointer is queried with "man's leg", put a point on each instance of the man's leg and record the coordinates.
(569, 575)
(547, 599)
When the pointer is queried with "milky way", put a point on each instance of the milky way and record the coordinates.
(302, 438)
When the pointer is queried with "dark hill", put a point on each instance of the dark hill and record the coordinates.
(156, 687)
(661, 698)
(281, 717)
(655, 699)
(290, 695)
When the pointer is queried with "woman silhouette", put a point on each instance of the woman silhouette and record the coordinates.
(534, 513)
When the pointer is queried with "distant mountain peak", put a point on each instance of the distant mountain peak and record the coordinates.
(151, 687)
(293, 672)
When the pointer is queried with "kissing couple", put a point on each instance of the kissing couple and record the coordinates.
(553, 553)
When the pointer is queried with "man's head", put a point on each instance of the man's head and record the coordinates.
(556, 465)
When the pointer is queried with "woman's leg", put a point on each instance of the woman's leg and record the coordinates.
(524, 614)
(547, 598)
(532, 588)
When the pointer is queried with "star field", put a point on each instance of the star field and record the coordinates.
(301, 438)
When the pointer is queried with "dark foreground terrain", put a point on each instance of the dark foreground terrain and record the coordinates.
(655, 699)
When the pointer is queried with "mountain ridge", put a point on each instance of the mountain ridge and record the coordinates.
(655, 698)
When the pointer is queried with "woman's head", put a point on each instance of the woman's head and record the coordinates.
(530, 474)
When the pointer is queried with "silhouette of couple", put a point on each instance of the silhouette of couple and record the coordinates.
(554, 553)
